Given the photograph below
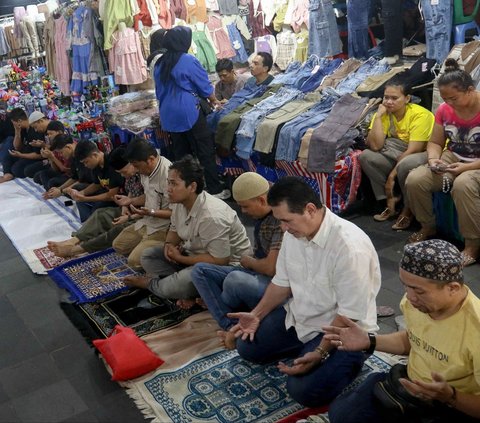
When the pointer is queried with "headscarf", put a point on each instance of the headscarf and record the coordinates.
(156, 45)
(177, 41)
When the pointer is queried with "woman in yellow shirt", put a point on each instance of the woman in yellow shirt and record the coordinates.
(398, 135)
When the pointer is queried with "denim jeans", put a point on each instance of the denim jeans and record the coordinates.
(227, 288)
(322, 384)
(251, 119)
(359, 406)
(438, 28)
(240, 97)
(288, 77)
(6, 145)
(237, 43)
(358, 12)
(85, 209)
(369, 68)
(392, 24)
(324, 39)
(292, 132)
(313, 80)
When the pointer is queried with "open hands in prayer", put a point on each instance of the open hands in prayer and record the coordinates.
(120, 219)
(349, 338)
(301, 365)
(246, 327)
(455, 168)
(76, 195)
(438, 389)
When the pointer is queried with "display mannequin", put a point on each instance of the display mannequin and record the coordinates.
(122, 26)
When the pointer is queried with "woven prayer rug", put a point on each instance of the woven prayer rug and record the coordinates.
(138, 309)
(222, 387)
(93, 277)
(47, 258)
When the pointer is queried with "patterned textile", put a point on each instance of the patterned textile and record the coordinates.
(48, 259)
(89, 278)
(139, 310)
(433, 259)
(222, 387)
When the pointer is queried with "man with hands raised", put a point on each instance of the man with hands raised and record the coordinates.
(442, 317)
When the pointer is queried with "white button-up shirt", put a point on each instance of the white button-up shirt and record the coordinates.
(336, 272)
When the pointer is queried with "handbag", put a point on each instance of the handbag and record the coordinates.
(204, 105)
(393, 397)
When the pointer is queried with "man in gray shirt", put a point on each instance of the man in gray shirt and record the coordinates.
(229, 82)
(203, 229)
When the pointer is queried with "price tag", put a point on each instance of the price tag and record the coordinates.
(315, 69)
(434, 2)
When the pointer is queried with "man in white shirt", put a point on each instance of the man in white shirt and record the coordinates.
(327, 268)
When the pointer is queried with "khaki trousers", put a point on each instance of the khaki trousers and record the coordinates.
(422, 182)
(131, 242)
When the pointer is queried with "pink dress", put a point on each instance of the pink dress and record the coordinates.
(220, 38)
(126, 59)
(62, 63)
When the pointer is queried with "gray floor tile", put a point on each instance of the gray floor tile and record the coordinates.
(11, 265)
(109, 412)
(51, 403)
(63, 358)
(7, 413)
(29, 375)
(17, 280)
(87, 417)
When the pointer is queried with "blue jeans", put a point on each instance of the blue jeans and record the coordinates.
(228, 288)
(290, 136)
(241, 54)
(369, 68)
(322, 384)
(312, 81)
(358, 12)
(288, 77)
(85, 209)
(324, 39)
(438, 28)
(392, 23)
(6, 145)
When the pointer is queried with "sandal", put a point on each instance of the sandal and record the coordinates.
(419, 236)
(467, 259)
(402, 223)
(385, 215)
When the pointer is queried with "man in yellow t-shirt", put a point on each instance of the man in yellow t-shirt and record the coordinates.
(397, 139)
(441, 340)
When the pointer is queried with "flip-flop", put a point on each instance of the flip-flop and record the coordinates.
(385, 311)
(468, 260)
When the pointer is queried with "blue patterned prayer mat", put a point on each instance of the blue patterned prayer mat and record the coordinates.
(90, 278)
(224, 388)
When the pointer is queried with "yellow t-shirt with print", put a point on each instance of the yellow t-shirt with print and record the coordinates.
(416, 125)
(449, 347)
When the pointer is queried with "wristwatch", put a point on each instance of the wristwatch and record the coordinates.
(152, 212)
(373, 343)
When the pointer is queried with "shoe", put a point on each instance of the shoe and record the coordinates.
(385, 215)
(223, 195)
(402, 223)
(419, 236)
(467, 259)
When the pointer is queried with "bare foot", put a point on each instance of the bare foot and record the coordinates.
(227, 339)
(70, 241)
(186, 304)
(66, 250)
(137, 281)
(6, 177)
(201, 303)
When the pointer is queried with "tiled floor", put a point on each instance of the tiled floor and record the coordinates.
(49, 374)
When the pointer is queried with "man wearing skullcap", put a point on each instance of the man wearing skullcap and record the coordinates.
(228, 288)
(441, 382)
(326, 267)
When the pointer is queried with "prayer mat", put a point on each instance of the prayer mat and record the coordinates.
(138, 309)
(47, 258)
(93, 277)
(219, 387)
(30, 221)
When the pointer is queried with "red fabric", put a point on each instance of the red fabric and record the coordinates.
(126, 354)
(143, 15)
(303, 414)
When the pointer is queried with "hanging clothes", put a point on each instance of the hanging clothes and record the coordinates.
(241, 55)
(29, 31)
(228, 7)
(301, 52)
(286, 46)
(220, 38)
(196, 11)
(166, 18)
(62, 64)
(4, 46)
(267, 44)
(212, 5)
(179, 8)
(49, 40)
(255, 18)
(125, 58)
(300, 15)
(143, 16)
(113, 12)
(81, 35)
(204, 51)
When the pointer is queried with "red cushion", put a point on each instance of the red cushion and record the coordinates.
(126, 354)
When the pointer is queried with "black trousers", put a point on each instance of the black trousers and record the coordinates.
(198, 142)
(392, 14)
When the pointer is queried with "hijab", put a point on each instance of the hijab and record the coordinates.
(176, 41)
(156, 46)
